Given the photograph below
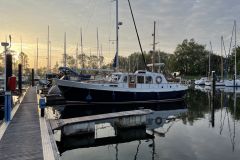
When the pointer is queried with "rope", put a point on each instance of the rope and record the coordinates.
(144, 61)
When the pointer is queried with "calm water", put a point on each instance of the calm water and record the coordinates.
(204, 127)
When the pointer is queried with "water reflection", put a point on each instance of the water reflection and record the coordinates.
(225, 99)
(208, 128)
(163, 114)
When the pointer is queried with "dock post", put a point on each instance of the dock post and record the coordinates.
(213, 82)
(8, 98)
(8, 69)
(42, 105)
(32, 77)
(20, 78)
(7, 106)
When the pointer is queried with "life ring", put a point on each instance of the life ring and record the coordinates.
(158, 120)
(158, 79)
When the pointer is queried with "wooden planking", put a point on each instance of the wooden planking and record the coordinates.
(57, 124)
(22, 139)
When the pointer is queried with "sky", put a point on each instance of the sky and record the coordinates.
(203, 20)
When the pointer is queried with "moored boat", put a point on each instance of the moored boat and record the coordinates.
(141, 86)
(201, 81)
(217, 83)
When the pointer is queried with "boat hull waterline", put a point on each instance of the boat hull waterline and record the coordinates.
(91, 95)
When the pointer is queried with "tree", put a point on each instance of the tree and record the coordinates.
(93, 61)
(55, 67)
(70, 61)
(191, 58)
(83, 60)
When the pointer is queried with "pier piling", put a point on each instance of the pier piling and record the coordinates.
(20, 78)
(32, 77)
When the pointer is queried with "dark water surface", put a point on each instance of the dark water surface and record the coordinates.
(204, 127)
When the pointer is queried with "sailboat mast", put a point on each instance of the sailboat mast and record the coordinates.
(222, 58)
(98, 50)
(48, 50)
(235, 69)
(65, 52)
(117, 28)
(209, 58)
(50, 55)
(21, 43)
(101, 56)
(81, 48)
(37, 59)
(81, 42)
(154, 42)
(76, 61)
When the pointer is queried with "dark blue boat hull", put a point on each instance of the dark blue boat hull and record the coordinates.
(90, 95)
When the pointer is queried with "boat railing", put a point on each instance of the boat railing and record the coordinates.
(149, 86)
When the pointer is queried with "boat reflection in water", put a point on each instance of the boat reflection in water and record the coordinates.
(208, 126)
(108, 133)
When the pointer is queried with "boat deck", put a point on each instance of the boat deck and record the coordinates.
(22, 139)
(58, 124)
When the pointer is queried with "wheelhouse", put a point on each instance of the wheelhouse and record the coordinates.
(139, 77)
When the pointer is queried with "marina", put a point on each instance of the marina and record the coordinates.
(119, 80)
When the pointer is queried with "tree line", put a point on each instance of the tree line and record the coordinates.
(189, 58)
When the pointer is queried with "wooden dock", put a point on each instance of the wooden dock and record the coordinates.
(26, 136)
(60, 123)
(22, 139)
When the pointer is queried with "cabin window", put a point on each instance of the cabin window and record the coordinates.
(148, 79)
(125, 79)
(140, 79)
(132, 79)
(116, 77)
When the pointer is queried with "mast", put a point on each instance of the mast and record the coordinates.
(98, 50)
(235, 67)
(101, 57)
(37, 59)
(81, 42)
(48, 50)
(117, 28)
(222, 58)
(50, 55)
(21, 43)
(154, 42)
(209, 61)
(65, 52)
(81, 48)
(76, 61)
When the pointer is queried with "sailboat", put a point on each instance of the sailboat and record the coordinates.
(141, 86)
(205, 80)
(235, 82)
(219, 82)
